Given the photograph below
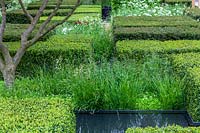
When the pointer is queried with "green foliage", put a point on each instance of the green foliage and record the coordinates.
(102, 42)
(117, 85)
(87, 10)
(138, 49)
(187, 2)
(189, 65)
(123, 85)
(74, 18)
(13, 32)
(157, 33)
(36, 7)
(193, 12)
(18, 16)
(146, 8)
(155, 21)
(174, 129)
(36, 115)
(46, 54)
(54, 2)
(102, 45)
(186, 60)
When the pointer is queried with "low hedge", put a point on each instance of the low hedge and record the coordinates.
(18, 16)
(36, 7)
(36, 115)
(146, 21)
(193, 12)
(188, 65)
(74, 18)
(87, 10)
(56, 50)
(142, 48)
(13, 32)
(171, 129)
(54, 2)
(186, 60)
(157, 33)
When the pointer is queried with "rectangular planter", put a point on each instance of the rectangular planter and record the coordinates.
(117, 121)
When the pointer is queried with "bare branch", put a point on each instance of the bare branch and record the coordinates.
(31, 27)
(26, 34)
(3, 48)
(25, 11)
(47, 21)
(3, 23)
(36, 38)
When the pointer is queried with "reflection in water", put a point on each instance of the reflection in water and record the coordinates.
(118, 123)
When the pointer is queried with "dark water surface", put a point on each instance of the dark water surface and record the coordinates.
(116, 122)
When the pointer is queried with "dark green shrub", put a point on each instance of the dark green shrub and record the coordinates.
(157, 33)
(36, 115)
(155, 21)
(169, 129)
(138, 49)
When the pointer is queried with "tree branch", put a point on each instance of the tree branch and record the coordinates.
(31, 27)
(3, 48)
(35, 39)
(25, 11)
(26, 34)
(47, 21)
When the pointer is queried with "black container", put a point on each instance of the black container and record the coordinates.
(119, 121)
(106, 13)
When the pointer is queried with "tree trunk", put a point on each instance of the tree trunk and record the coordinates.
(9, 75)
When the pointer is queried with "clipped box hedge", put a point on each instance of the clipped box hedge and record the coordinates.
(36, 7)
(13, 32)
(74, 18)
(157, 33)
(87, 10)
(142, 48)
(57, 49)
(155, 21)
(188, 65)
(169, 129)
(18, 16)
(36, 115)
(193, 12)
(54, 2)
